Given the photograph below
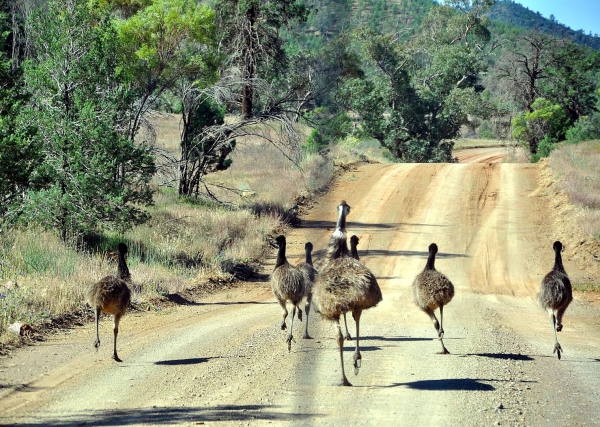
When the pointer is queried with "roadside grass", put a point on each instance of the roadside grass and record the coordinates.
(186, 244)
(464, 143)
(589, 285)
(578, 169)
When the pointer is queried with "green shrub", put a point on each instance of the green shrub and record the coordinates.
(314, 143)
(585, 129)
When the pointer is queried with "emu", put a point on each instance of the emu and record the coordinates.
(112, 295)
(556, 294)
(309, 272)
(344, 285)
(287, 283)
(432, 290)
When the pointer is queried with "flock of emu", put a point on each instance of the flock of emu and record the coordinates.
(344, 285)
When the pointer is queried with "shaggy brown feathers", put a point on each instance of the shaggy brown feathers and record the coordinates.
(111, 295)
(433, 290)
(344, 284)
(287, 283)
(556, 294)
(309, 272)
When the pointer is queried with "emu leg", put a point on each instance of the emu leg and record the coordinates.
(441, 332)
(437, 327)
(307, 310)
(284, 313)
(340, 340)
(348, 337)
(97, 342)
(290, 336)
(357, 357)
(116, 332)
(559, 316)
(557, 347)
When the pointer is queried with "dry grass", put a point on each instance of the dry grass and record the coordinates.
(578, 169)
(184, 245)
(463, 143)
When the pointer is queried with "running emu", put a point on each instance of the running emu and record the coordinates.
(287, 283)
(432, 290)
(354, 254)
(556, 295)
(309, 272)
(112, 295)
(343, 285)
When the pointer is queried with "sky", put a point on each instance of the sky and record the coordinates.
(576, 14)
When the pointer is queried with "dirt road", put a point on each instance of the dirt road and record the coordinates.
(223, 360)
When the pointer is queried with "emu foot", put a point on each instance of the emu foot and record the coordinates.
(116, 358)
(357, 362)
(283, 326)
(557, 350)
(300, 315)
(444, 349)
(559, 327)
(345, 382)
(307, 337)
(347, 336)
(289, 340)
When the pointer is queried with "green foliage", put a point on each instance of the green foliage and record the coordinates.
(545, 147)
(585, 129)
(314, 143)
(19, 153)
(201, 151)
(419, 94)
(547, 122)
(510, 15)
(93, 176)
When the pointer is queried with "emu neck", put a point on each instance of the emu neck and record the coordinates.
(430, 261)
(122, 270)
(338, 248)
(281, 256)
(354, 252)
(558, 265)
(340, 227)
(308, 257)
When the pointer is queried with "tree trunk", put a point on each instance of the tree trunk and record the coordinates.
(249, 60)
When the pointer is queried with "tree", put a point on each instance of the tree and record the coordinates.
(252, 40)
(573, 81)
(161, 43)
(420, 93)
(529, 63)
(19, 154)
(547, 121)
(95, 176)
(201, 152)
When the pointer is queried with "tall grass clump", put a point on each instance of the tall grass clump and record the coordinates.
(578, 167)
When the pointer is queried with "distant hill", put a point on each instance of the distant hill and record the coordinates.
(514, 14)
(405, 17)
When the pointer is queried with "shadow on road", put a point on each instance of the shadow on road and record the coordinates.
(163, 415)
(192, 361)
(468, 384)
(504, 356)
(407, 339)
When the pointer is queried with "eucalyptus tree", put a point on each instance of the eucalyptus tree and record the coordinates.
(417, 95)
(94, 175)
(252, 41)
